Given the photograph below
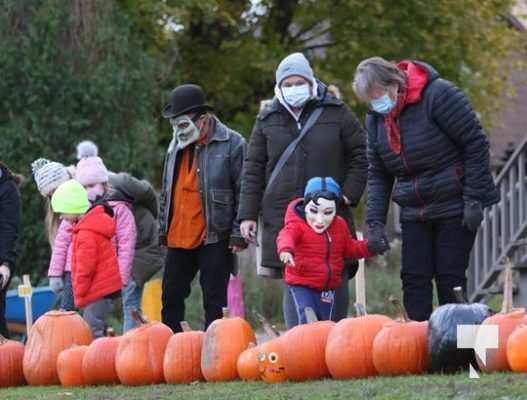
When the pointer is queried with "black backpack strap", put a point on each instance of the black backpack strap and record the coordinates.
(292, 147)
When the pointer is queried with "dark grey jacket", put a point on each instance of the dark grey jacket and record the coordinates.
(219, 170)
(444, 157)
(335, 146)
(149, 255)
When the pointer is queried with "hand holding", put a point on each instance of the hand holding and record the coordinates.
(287, 258)
(472, 215)
(377, 240)
(56, 284)
(248, 230)
(5, 274)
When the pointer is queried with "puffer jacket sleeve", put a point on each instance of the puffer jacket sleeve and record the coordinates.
(59, 255)
(380, 181)
(9, 221)
(237, 155)
(288, 237)
(356, 163)
(452, 111)
(355, 248)
(125, 238)
(85, 262)
(253, 176)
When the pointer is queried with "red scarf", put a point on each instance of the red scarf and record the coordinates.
(416, 80)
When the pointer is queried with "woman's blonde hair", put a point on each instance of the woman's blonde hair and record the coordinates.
(376, 72)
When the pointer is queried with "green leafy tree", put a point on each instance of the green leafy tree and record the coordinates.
(72, 70)
(233, 47)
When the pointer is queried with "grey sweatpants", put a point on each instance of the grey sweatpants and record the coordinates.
(96, 314)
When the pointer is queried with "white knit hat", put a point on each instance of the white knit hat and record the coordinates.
(48, 175)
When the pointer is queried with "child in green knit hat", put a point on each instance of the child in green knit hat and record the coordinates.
(95, 273)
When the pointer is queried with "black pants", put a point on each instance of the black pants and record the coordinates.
(214, 262)
(438, 249)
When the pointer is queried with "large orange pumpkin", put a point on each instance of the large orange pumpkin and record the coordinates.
(140, 354)
(350, 344)
(247, 364)
(182, 361)
(305, 349)
(53, 332)
(225, 339)
(507, 321)
(11, 356)
(98, 365)
(271, 361)
(517, 350)
(69, 366)
(401, 347)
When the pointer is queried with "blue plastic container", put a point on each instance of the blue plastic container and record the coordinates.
(43, 300)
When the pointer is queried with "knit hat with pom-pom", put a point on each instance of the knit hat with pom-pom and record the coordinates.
(87, 148)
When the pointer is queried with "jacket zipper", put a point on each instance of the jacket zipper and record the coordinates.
(328, 256)
(202, 179)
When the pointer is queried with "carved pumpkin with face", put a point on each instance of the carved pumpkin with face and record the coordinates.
(271, 361)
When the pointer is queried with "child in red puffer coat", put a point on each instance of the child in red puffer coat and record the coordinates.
(94, 268)
(313, 245)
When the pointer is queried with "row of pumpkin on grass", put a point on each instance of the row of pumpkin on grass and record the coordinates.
(60, 349)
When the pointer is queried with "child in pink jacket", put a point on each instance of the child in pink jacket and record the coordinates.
(93, 175)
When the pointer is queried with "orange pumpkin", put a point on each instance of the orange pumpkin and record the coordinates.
(507, 321)
(140, 354)
(271, 361)
(350, 344)
(98, 365)
(182, 362)
(53, 332)
(225, 339)
(401, 347)
(69, 366)
(516, 349)
(11, 356)
(247, 364)
(305, 345)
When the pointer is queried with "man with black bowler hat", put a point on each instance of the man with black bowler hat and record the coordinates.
(198, 205)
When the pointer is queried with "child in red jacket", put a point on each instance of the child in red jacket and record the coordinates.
(94, 269)
(313, 245)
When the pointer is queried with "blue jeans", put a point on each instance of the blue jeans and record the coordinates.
(132, 295)
(341, 302)
(321, 302)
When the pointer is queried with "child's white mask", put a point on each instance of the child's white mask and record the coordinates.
(184, 130)
(319, 217)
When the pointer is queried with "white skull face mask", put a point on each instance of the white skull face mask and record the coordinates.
(184, 130)
(319, 217)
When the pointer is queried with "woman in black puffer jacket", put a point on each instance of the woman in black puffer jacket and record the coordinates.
(424, 135)
(9, 228)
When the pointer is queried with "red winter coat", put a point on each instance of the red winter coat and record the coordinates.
(95, 271)
(319, 258)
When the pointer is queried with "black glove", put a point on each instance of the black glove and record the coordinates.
(472, 215)
(377, 240)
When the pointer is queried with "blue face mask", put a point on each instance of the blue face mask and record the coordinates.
(383, 104)
(296, 96)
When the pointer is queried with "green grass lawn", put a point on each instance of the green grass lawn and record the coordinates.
(494, 386)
